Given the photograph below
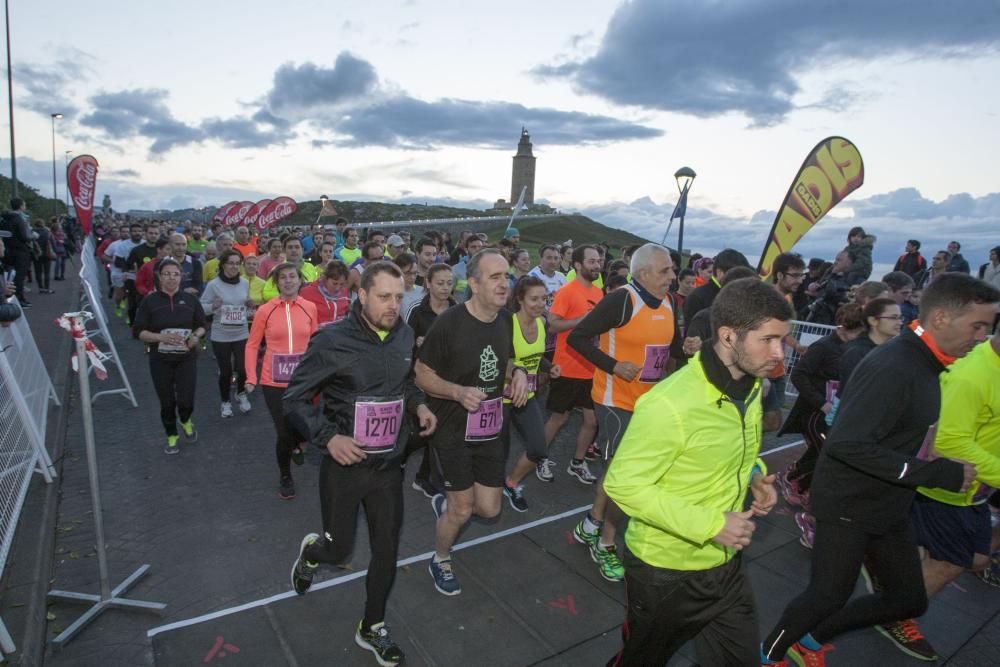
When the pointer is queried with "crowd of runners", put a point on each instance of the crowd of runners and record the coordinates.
(396, 346)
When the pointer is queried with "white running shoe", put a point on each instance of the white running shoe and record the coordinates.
(244, 401)
(227, 410)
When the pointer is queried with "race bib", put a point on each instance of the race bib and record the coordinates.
(654, 367)
(283, 365)
(232, 316)
(486, 422)
(508, 390)
(167, 348)
(377, 424)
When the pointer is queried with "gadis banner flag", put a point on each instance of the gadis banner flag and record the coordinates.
(831, 171)
(81, 177)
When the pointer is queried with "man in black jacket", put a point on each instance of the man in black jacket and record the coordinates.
(9, 312)
(360, 367)
(703, 296)
(18, 255)
(873, 460)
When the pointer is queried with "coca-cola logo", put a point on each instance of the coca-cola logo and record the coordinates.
(81, 177)
(221, 214)
(237, 213)
(277, 210)
(254, 214)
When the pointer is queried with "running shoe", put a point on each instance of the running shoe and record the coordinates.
(119, 311)
(439, 503)
(543, 470)
(515, 496)
(303, 570)
(583, 537)
(227, 410)
(803, 657)
(807, 524)
(991, 574)
(244, 402)
(171, 447)
(581, 471)
(593, 452)
(908, 639)
(789, 489)
(189, 431)
(376, 639)
(444, 579)
(871, 579)
(287, 489)
(298, 456)
(424, 487)
(608, 561)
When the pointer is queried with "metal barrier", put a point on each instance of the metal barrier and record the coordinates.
(90, 279)
(25, 392)
(806, 333)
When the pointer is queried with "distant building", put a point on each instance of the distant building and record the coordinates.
(523, 171)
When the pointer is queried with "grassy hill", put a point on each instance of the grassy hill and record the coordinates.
(37, 205)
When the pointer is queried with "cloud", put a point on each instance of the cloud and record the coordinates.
(712, 58)
(406, 122)
(140, 112)
(243, 133)
(302, 87)
(47, 85)
(893, 217)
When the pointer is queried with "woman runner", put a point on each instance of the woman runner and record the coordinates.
(329, 294)
(172, 324)
(284, 324)
(227, 298)
(529, 353)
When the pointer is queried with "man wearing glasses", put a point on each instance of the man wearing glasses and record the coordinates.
(789, 270)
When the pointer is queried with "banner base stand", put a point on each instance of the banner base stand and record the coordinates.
(115, 601)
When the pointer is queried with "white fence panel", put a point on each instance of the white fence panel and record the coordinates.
(806, 333)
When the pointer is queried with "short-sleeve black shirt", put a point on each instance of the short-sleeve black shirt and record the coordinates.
(470, 353)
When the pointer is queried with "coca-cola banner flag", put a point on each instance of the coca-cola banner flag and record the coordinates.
(237, 213)
(255, 212)
(221, 214)
(279, 209)
(81, 177)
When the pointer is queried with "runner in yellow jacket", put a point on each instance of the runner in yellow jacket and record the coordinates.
(682, 473)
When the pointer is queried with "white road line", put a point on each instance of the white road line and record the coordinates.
(783, 448)
(356, 575)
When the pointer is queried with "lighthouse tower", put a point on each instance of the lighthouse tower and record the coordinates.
(523, 171)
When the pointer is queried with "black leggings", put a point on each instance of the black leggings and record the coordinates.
(814, 433)
(286, 441)
(229, 356)
(527, 422)
(823, 608)
(174, 378)
(43, 270)
(342, 490)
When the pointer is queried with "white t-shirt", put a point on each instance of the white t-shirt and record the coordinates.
(552, 284)
(121, 248)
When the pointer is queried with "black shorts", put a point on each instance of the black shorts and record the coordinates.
(568, 393)
(457, 467)
(611, 425)
(952, 533)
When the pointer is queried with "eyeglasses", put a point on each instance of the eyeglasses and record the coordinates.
(890, 317)
(794, 275)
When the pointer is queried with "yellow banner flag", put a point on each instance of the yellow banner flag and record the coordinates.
(831, 171)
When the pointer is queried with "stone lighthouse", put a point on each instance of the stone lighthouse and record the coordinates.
(524, 171)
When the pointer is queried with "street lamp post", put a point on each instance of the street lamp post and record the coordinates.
(685, 177)
(10, 102)
(55, 193)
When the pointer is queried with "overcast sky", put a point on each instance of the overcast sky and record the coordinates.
(197, 103)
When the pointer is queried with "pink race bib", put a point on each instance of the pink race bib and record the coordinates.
(486, 422)
(283, 365)
(654, 366)
(377, 424)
